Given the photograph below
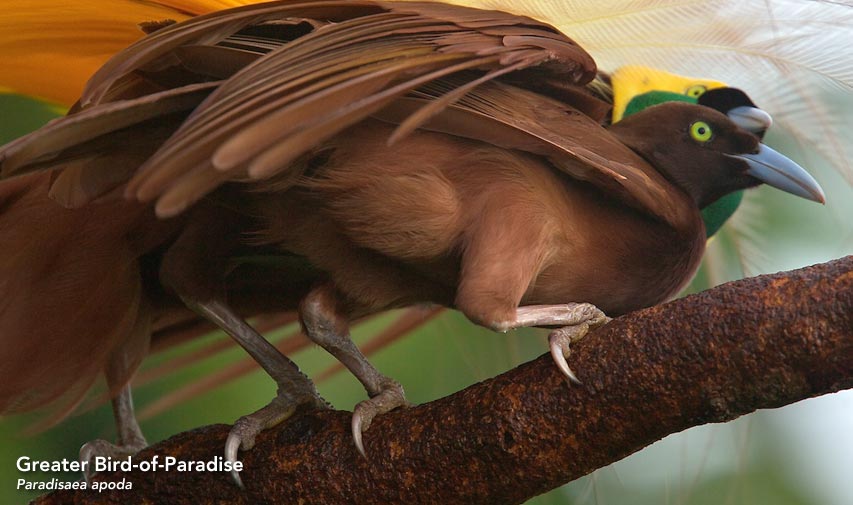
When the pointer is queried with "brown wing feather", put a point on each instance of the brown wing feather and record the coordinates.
(149, 52)
(29, 153)
(99, 149)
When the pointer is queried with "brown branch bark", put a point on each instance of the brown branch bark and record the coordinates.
(758, 343)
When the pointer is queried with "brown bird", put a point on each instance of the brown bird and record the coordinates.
(382, 154)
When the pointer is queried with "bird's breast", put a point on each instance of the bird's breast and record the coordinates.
(616, 257)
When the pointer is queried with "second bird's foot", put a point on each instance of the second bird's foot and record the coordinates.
(103, 449)
(389, 398)
(245, 429)
(560, 339)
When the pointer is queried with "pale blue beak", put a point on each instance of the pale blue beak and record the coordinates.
(751, 119)
(779, 171)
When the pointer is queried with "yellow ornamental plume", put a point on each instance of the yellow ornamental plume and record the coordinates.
(50, 48)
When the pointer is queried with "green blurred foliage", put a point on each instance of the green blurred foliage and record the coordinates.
(744, 462)
(20, 114)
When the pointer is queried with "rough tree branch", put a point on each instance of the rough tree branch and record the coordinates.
(758, 343)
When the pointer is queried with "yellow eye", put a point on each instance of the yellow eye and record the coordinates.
(701, 131)
(696, 90)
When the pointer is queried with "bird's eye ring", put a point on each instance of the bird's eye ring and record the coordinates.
(701, 131)
(696, 90)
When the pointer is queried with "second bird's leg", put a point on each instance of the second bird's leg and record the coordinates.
(575, 319)
(326, 325)
(130, 439)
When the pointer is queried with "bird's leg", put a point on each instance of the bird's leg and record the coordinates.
(499, 267)
(294, 388)
(193, 267)
(575, 319)
(129, 435)
(326, 325)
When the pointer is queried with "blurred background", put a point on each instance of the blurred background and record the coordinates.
(801, 454)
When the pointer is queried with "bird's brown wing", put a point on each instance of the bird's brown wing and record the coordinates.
(292, 99)
(295, 74)
(504, 115)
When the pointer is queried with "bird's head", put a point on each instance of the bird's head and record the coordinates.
(636, 87)
(740, 109)
(706, 154)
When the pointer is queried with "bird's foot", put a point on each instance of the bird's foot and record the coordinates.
(390, 397)
(94, 449)
(588, 317)
(574, 319)
(327, 324)
(243, 433)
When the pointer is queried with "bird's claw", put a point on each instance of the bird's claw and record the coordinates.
(560, 339)
(389, 398)
(243, 435)
(246, 429)
(101, 448)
